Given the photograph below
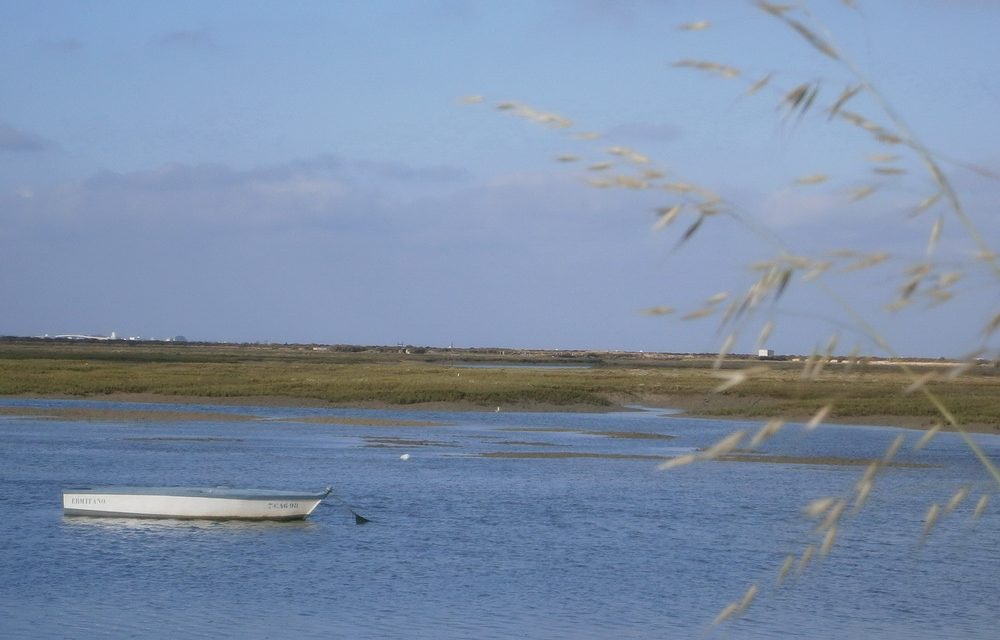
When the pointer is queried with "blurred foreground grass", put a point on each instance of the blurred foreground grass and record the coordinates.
(379, 376)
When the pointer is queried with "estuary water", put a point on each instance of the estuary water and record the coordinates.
(497, 525)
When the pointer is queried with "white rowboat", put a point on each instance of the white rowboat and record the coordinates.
(190, 502)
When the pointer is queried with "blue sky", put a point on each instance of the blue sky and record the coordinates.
(308, 172)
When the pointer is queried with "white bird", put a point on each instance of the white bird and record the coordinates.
(405, 456)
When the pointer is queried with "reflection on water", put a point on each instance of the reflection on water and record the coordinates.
(153, 525)
(587, 540)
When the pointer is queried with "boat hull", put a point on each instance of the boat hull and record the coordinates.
(190, 503)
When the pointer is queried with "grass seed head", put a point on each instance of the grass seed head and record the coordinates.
(933, 513)
(769, 430)
(701, 25)
(806, 558)
(828, 540)
(786, 566)
(816, 178)
(679, 461)
(927, 437)
(864, 490)
(819, 506)
(748, 597)
(893, 449)
(729, 611)
(957, 499)
(980, 506)
(724, 446)
(819, 417)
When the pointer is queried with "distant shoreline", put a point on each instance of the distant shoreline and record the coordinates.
(858, 392)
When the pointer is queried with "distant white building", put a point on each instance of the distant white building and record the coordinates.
(765, 353)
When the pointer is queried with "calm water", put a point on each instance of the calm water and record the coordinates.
(463, 546)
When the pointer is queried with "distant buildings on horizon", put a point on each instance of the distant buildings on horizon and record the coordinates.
(113, 336)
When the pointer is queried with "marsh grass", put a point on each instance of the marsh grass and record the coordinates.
(871, 392)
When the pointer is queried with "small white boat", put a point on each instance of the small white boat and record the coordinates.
(190, 502)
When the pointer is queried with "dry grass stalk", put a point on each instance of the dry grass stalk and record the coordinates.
(819, 506)
(774, 9)
(927, 437)
(768, 431)
(980, 506)
(842, 99)
(919, 383)
(717, 450)
(799, 99)
(821, 45)
(828, 540)
(833, 515)
(666, 215)
(765, 333)
(738, 607)
(819, 417)
(690, 231)
(806, 558)
(722, 70)
(817, 269)
(736, 377)
(957, 499)
(933, 514)
(870, 472)
(959, 369)
(927, 202)
(821, 361)
(727, 345)
(883, 157)
(540, 117)
(862, 192)
(866, 262)
(701, 25)
(679, 461)
(786, 566)
(703, 312)
(807, 368)
(748, 597)
(864, 489)
(893, 449)
(816, 178)
(880, 133)
(889, 171)
(853, 358)
(661, 310)
(729, 611)
(629, 154)
(758, 85)
(992, 325)
(680, 187)
(724, 446)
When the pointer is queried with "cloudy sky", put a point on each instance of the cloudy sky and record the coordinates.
(310, 171)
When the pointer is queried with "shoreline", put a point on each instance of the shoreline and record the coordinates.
(683, 406)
